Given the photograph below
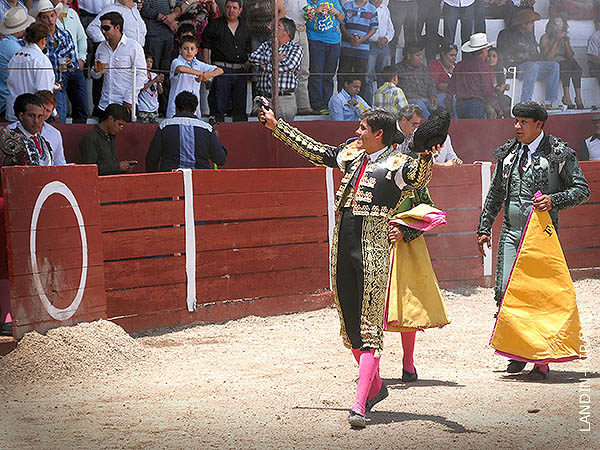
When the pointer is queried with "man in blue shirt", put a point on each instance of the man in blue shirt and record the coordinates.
(184, 141)
(13, 26)
(347, 105)
(360, 23)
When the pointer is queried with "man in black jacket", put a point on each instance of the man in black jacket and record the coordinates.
(184, 141)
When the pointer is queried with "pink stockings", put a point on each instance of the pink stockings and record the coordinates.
(408, 348)
(369, 381)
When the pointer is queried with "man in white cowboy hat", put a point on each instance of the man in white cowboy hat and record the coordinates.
(63, 56)
(472, 81)
(13, 26)
(517, 47)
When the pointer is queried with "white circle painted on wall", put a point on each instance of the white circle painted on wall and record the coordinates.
(57, 187)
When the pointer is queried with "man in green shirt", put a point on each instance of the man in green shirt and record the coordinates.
(98, 145)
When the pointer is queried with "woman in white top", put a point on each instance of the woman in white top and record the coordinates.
(30, 70)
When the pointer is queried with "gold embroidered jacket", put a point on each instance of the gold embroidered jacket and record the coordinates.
(377, 193)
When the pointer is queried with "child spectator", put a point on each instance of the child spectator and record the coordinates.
(187, 73)
(500, 85)
(148, 98)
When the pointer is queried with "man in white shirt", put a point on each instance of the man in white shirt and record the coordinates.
(118, 53)
(134, 26)
(379, 49)
(447, 157)
(294, 10)
(591, 146)
(30, 111)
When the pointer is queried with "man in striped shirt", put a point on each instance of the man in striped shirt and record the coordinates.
(360, 23)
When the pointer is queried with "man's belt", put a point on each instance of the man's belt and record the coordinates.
(235, 66)
(282, 92)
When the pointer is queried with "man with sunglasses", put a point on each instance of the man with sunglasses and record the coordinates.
(114, 59)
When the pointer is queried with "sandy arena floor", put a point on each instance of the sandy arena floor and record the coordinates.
(287, 382)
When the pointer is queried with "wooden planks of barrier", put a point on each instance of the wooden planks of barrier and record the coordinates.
(54, 246)
(260, 234)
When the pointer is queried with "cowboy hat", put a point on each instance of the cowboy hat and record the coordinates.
(15, 20)
(526, 16)
(478, 41)
(46, 6)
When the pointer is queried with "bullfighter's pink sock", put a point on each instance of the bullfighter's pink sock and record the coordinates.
(376, 385)
(408, 347)
(367, 369)
(542, 367)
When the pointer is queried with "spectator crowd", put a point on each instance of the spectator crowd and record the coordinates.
(379, 54)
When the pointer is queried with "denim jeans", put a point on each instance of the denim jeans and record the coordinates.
(74, 87)
(471, 108)
(451, 14)
(323, 64)
(531, 71)
(378, 59)
(230, 88)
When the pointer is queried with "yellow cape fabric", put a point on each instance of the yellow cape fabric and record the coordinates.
(414, 298)
(538, 319)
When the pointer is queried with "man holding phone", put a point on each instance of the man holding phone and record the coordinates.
(98, 145)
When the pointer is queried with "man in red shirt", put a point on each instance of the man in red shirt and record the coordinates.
(473, 81)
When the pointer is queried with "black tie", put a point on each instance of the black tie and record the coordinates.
(523, 159)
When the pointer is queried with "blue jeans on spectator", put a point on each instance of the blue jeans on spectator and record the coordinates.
(451, 14)
(442, 102)
(230, 87)
(323, 64)
(75, 88)
(378, 59)
(422, 103)
(470, 108)
(531, 71)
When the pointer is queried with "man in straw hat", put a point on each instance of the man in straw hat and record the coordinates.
(13, 26)
(63, 56)
(472, 81)
(518, 47)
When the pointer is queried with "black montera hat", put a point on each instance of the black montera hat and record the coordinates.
(431, 133)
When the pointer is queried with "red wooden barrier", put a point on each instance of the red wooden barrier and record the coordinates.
(54, 246)
(261, 242)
